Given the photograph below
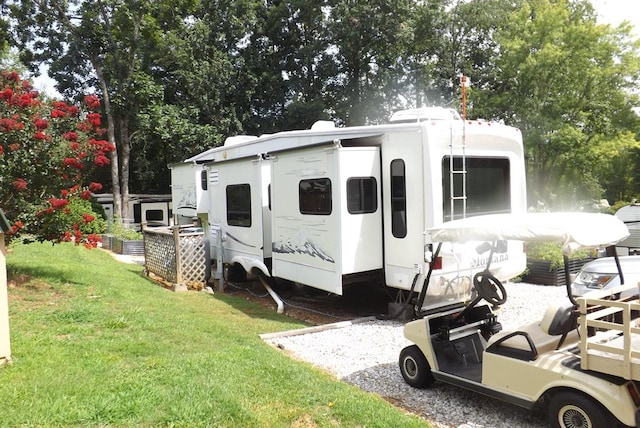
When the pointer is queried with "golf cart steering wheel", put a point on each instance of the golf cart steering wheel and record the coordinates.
(489, 288)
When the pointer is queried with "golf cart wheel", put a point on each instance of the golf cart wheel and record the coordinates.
(415, 368)
(572, 410)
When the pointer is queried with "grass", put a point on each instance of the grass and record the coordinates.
(95, 343)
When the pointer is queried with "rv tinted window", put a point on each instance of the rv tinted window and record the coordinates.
(239, 205)
(398, 199)
(154, 215)
(362, 195)
(487, 186)
(203, 179)
(315, 196)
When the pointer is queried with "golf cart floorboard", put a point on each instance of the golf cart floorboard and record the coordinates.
(462, 357)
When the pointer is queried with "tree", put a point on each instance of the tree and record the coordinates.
(567, 83)
(98, 45)
(287, 56)
(369, 40)
(47, 151)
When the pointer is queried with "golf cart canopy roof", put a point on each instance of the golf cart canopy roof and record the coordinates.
(572, 230)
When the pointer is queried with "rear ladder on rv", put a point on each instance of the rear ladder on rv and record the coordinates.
(457, 149)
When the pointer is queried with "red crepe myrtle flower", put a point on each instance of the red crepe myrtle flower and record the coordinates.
(101, 160)
(11, 75)
(15, 227)
(41, 123)
(70, 136)
(8, 124)
(94, 119)
(92, 101)
(20, 184)
(95, 187)
(58, 203)
(6, 94)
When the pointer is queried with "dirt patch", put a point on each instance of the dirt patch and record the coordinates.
(31, 291)
(18, 281)
(317, 307)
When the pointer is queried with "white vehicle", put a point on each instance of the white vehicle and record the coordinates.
(602, 274)
(630, 215)
(326, 206)
(581, 361)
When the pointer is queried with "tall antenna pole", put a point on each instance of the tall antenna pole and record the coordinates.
(463, 82)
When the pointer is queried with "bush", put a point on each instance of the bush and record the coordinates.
(552, 252)
(48, 150)
(119, 230)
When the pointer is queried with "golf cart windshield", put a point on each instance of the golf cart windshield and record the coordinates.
(571, 230)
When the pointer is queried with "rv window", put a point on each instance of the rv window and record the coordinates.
(362, 195)
(154, 215)
(488, 187)
(204, 179)
(137, 213)
(315, 196)
(398, 199)
(239, 205)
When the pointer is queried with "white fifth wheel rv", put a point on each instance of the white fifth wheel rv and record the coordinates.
(325, 206)
(189, 189)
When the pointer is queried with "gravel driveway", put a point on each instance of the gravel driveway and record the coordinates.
(365, 354)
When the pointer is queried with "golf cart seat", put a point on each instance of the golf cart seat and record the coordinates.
(557, 327)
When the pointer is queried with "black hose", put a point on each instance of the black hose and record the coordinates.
(404, 306)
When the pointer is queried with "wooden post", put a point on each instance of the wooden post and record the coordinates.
(5, 344)
(176, 244)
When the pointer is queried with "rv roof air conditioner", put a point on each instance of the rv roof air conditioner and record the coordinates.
(424, 113)
(320, 125)
(237, 139)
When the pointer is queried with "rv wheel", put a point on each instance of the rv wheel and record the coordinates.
(234, 273)
(572, 410)
(415, 368)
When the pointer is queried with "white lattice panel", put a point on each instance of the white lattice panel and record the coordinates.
(160, 257)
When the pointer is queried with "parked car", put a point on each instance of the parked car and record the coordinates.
(602, 273)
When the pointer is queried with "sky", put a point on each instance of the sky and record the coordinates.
(609, 12)
(616, 11)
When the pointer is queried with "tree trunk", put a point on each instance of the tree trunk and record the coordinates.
(125, 151)
(115, 167)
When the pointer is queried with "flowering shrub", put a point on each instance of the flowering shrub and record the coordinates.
(47, 151)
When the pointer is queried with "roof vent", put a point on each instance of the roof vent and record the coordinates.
(321, 125)
(237, 139)
(423, 114)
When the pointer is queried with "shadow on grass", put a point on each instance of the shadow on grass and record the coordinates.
(66, 264)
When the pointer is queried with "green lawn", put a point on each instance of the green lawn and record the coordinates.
(96, 343)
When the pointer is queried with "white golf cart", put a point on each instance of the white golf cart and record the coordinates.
(581, 361)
